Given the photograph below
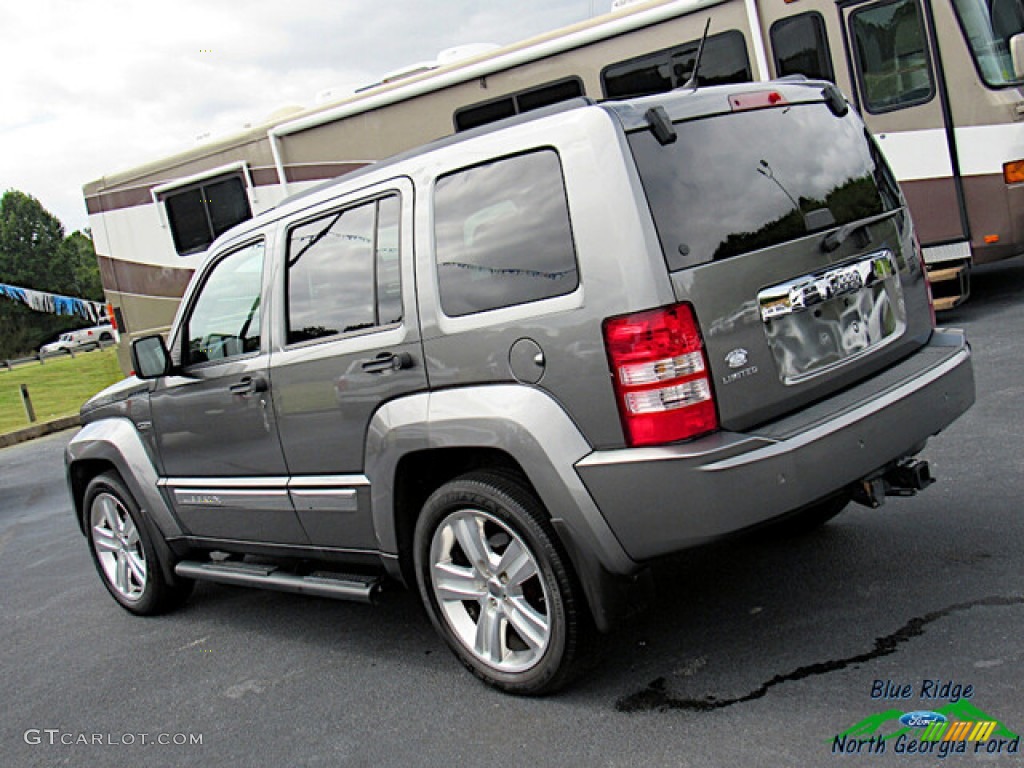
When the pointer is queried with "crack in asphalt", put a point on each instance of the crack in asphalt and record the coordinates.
(657, 698)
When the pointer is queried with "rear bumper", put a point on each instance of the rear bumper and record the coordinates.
(665, 499)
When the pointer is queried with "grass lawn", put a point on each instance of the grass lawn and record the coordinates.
(58, 387)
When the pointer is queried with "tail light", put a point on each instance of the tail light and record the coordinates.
(661, 377)
(111, 317)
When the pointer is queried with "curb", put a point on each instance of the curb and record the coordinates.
(39, 430)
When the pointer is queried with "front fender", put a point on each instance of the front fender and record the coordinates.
(116, 442)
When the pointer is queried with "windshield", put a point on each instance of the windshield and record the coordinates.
(988, 26)
(741, 182)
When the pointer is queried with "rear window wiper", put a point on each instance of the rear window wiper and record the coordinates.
(837, 237)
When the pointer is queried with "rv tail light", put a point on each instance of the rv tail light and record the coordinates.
(1013, 173)
(740, 102)
(660, 374)
(111, 317)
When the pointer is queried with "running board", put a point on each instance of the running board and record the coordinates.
(340, 586)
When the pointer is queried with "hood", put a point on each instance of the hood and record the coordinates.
(114, 396)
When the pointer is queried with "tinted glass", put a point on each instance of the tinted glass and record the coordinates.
(800, 47)
(187, 217)
(227, 203)
(331, 275)
(534, 98)
(727, 187)
(200, 214)
(483, 114)
(892, 56)
(724, 61)
(549, 94)
(389, 277)
(502, 235)
(988, 26)
(225, 319)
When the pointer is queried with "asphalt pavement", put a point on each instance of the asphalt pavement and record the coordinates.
(762, 652)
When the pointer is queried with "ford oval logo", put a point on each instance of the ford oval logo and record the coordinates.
(922, 718)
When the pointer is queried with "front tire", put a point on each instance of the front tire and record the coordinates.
(123, 551)
(497, 584)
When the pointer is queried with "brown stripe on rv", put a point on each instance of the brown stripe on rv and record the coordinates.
(143, 279)
(935, 209)
(320, 171)
(989, 205)
(261, 177)
(113, 201)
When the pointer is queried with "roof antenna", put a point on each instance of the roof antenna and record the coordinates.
(691, 84)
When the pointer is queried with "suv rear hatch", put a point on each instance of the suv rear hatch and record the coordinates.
(782, 226)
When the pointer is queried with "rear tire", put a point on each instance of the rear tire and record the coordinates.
(497, 585)
(123, 551)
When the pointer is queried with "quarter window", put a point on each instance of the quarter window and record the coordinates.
(800, 47)
(344, 271)
(724, 61)
(502, 235)
(200, 213)
(892, 56)
(225, 319)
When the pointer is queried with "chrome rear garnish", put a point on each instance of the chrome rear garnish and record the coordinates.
(825, 319)
(806, 292)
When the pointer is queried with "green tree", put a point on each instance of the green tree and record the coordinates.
(78, 251)
(34, 253)
(29, 240)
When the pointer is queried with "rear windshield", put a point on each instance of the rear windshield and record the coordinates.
(744, 181)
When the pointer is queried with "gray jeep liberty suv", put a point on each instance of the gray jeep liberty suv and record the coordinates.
(516, 366)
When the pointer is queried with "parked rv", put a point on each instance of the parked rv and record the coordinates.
(937, 81)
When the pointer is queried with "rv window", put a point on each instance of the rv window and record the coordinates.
(988, 26)
(343, 272)
(724, 61)
(502, 235)
(225, 319)
(524, 101)
(199, 214)
(891, 50)
(800, 45)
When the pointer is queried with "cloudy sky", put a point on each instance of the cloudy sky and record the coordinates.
(91, 88)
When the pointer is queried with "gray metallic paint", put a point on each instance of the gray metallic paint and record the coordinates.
(696, 492)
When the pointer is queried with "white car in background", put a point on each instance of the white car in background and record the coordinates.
(82, 339)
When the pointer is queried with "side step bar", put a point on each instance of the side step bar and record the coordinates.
(340, 586)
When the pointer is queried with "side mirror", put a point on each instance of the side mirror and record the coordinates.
(150, 358)
(1017, 55)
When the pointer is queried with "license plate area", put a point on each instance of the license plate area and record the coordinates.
(825, 319)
